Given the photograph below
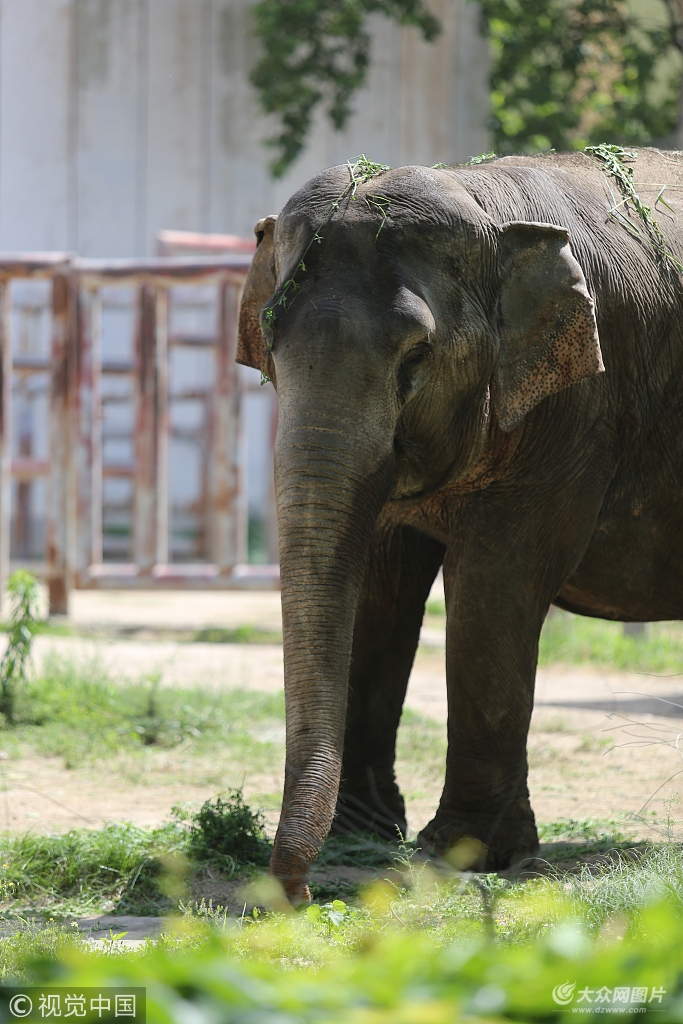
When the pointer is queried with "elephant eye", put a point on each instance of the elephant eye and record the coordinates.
(415, 357)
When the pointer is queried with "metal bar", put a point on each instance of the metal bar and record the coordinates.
(58, 580)
(33, 264)
(161, 425)
(144, 513)
(168, 241)
(81, 507)
(27, 468)
(225, 527)
(191, 341)
(96, 446)
(24, 364)
(164, 272)
(118, 368)
(272, 543)
(120, 576)
(5, 437)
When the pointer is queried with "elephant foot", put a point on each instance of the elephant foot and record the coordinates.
(370, 809)
(482, 842)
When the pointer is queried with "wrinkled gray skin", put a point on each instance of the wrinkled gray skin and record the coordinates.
(442, 400)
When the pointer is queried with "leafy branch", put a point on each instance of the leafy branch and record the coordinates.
(613, 159)
(361, 170)
(567, 73)
(316, 51)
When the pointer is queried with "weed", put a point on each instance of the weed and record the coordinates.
(595, 744)
(23, 590)
(216, 916)
(593, 831)
(334, 888)
(34, 942)
(613, 159)
(330, 916)
(227, 833)
(481, 159)
(83, 869)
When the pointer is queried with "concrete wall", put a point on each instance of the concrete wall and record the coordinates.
(122, 117)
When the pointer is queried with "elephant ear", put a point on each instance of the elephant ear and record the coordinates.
(546, 320)
(259, 286)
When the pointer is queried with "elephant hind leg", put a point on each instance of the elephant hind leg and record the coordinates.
(402, 566)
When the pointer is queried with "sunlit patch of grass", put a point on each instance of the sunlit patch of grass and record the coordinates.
(576, 639)
(240, 635)
(81, 713)
(421, 745)
(435, 608)
(125, 867)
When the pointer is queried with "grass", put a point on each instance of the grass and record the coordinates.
(81, 713)
(449, 911)
(576, 639)
(84, 871)
(86, 716)
(240, 635)
(128, 869)
(308, 969)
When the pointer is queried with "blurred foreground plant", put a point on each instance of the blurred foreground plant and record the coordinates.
(22, 588)
(398, 975)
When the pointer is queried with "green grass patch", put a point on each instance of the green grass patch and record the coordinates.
(240, 635)
(83, 870)
(127, 868)
(435, 607)
(575, 639)
(578, 639)
(430, 950)
(81, 713)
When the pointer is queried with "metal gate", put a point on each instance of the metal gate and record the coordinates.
(108, 518)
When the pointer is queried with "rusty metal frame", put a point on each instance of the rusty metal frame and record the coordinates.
(74, 469)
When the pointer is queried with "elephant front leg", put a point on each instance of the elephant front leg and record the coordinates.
(500, 576)
(401, 570)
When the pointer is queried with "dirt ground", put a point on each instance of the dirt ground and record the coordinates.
(602, 744)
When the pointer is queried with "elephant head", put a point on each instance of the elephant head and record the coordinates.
(420, 333)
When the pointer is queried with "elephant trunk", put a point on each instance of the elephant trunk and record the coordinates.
(331, 483)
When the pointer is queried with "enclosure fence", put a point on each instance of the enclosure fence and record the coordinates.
(111, 416)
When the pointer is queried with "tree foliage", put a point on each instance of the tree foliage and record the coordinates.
(318, 51)
(565, 73)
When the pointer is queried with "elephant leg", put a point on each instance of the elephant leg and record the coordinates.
(402, 566)
(501, 572)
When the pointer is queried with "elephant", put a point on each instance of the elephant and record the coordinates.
(478, 368)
